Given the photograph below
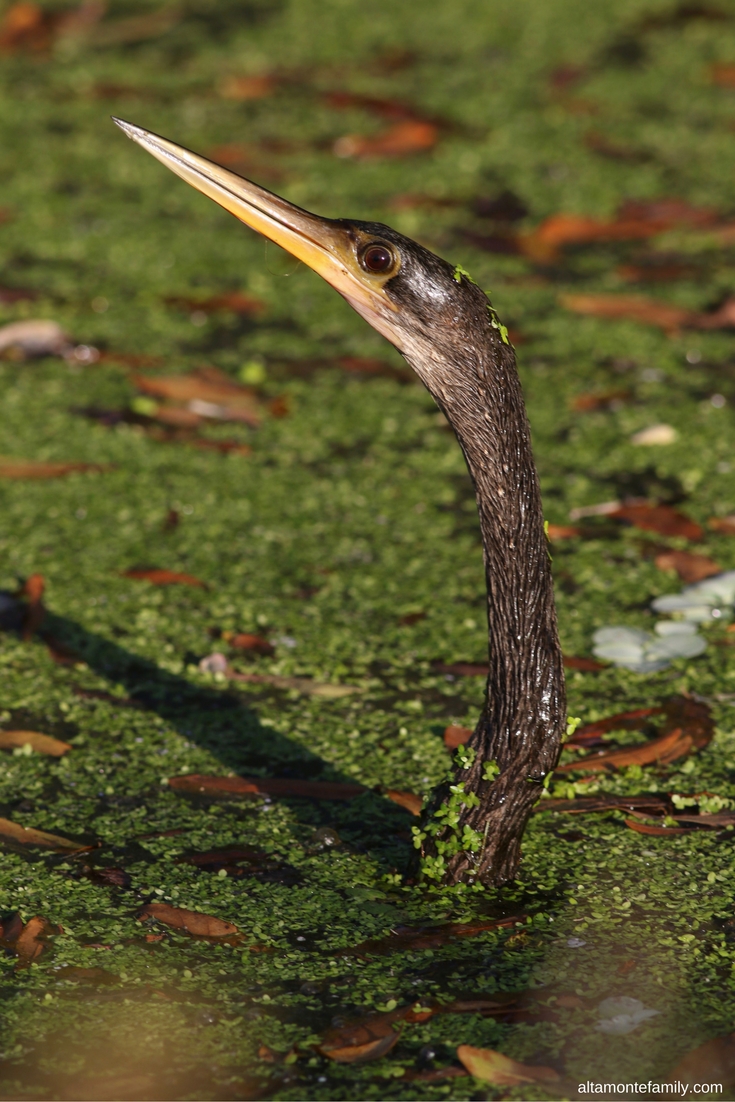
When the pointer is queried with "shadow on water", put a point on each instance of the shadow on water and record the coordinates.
(131, 1047)
(225, 722)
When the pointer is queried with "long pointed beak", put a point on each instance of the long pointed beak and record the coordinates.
(325, 245)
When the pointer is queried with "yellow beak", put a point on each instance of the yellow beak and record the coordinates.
(329, 247)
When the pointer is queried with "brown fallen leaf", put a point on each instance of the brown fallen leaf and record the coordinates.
(417, 938)
(32, 592)
(207, 383)
(501, 1071)
(714, 1061)
(197, 783)
(243, 641)
(591, 733)
(360, 1054)
(455, 736)
(585, 665)
(14, 834)
(656, 269)
(42, 744)
(662, 750)
(584, 805)
(404, 138)
(33, 941)
(29, 468)
(646, 828)
(409, 800)
(724, 525)
(190, 922)
(630, 308)
(237, 302)
(605, 399)
(689, 567)
(25, 26)
(636, 220)
(562, 531)
(247, 88)
(688, 726)
(662, 519)
(164, 577)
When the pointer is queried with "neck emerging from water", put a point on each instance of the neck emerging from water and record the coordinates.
(525, 703)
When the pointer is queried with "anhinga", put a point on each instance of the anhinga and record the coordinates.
(444, 326)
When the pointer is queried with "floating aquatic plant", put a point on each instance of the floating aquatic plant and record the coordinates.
(644, 652)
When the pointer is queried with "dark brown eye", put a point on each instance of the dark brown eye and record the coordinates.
(377, 258)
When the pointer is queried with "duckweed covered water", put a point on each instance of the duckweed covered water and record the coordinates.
(349, 538)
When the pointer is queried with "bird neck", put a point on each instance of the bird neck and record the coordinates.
(525, 704)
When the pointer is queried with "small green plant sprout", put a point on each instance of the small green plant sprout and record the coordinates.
(497, 324)
(573, 722)
(444, 828)
(459, 271)
(465, 756)
(490, 770)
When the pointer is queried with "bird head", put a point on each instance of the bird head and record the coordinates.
(415, 299)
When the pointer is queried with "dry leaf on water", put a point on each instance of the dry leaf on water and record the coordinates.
(408, 800)
(455, 736)
(606, 399)
(205, 393)
(583, 805)
(630, 308)
(29, 468)
(244, 641)
(649, 311)
(403, 139)
(190, 922)
(199, 784)
(164, 577)
(724, 525)
(689, 567)
(662, 519)
(714, 1061)
(27, 941)
(42, 744)
(591, 733)
(32, 592)
(646, 828)
(585, 665)
(13, 833)
(636, 220)
(237, 302)
(247, 88)
(688, 726)
(417, 938)
(501, 1071)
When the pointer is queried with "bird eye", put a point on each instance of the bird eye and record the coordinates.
(377, 258)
